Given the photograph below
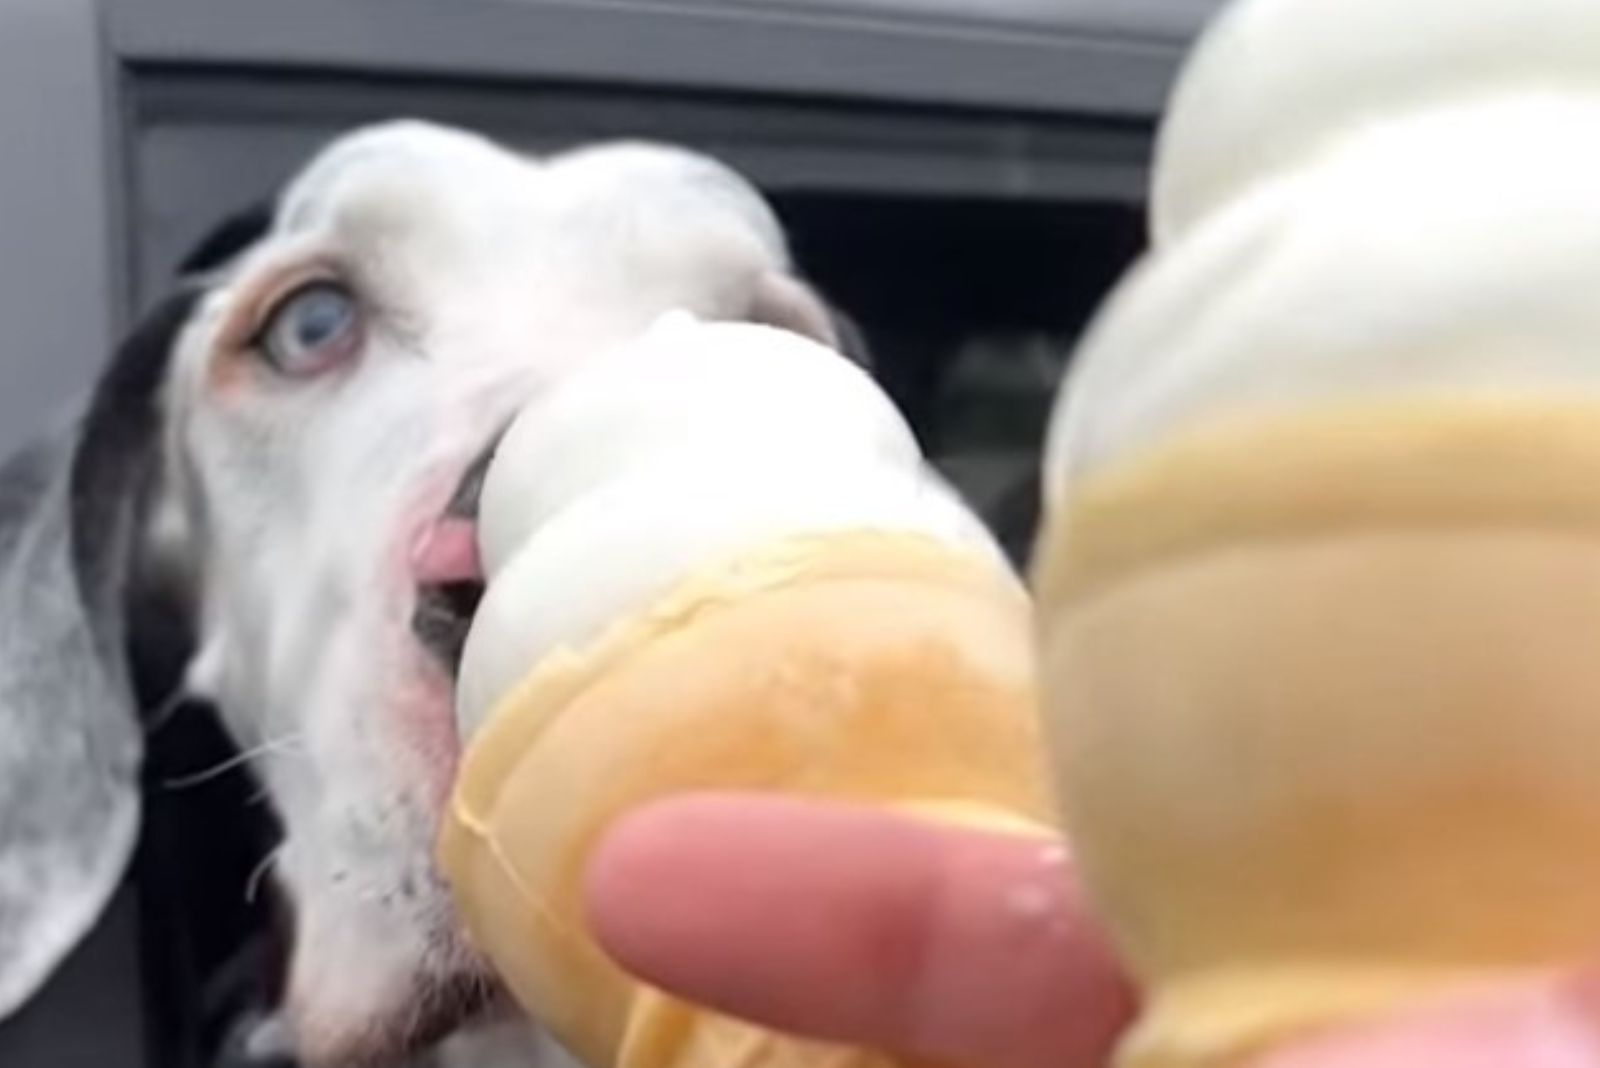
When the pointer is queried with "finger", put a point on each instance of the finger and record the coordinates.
(853, 925)
(1545, 1026)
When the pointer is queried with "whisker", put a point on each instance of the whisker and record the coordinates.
(253, 884)
(166, 710)
(238, 760)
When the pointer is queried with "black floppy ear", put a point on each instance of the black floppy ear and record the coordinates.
(785, 301)
(72, 510)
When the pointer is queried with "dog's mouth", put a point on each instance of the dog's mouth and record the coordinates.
(442, 618)
(444, 608)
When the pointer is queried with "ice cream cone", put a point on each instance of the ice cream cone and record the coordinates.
(877, 669)
(1324, 692)
(799, 636)
(1319, 589)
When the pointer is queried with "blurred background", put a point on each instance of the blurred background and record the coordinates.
(964, 177)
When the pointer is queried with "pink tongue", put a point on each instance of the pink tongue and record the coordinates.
(446, 551)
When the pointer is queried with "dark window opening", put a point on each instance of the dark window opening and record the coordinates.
(971, 310)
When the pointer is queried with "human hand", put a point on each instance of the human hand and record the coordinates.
(853, 925)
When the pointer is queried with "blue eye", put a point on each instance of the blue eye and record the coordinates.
(314, 328)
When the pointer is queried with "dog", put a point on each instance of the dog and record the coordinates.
(252, 510)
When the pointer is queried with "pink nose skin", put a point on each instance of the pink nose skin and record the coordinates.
(446, 550)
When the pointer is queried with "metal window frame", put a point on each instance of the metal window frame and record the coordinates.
(1110, 57)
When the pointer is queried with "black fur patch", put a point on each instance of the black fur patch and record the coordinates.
(229, 238)
(114, 470)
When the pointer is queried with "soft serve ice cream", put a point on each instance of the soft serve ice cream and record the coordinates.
(1320, 591)
(696, 443)
(717, 558)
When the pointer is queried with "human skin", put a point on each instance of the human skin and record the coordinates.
(953, 945)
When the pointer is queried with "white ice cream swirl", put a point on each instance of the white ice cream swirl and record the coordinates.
(694, 443)
(1355, 199)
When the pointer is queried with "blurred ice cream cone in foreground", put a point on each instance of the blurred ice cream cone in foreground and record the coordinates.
(1319, 593)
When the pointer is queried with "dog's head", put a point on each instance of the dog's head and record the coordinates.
(277, 471)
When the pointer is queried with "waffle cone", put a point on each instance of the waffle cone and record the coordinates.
(1324, 693)
(881, 669)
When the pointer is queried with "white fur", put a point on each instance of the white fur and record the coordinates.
(487, 278)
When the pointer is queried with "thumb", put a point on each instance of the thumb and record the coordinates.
(853, 925)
